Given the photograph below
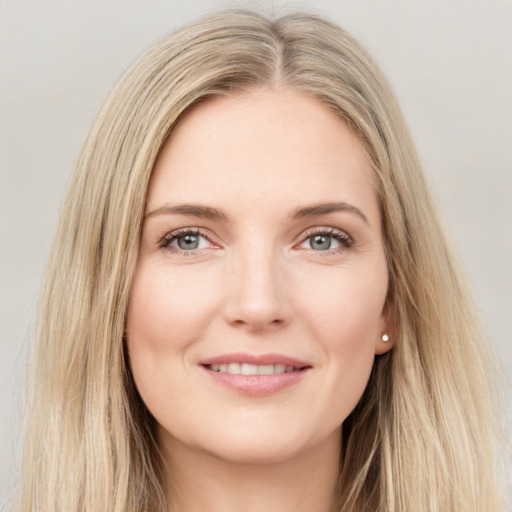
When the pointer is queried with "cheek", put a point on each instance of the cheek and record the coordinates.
(345, 316)
(166, 315)
(166, 311)
(345, 307)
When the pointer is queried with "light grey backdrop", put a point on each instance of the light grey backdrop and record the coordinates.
(449, 61)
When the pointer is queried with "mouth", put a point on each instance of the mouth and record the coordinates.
(255, 375)
(252, 369)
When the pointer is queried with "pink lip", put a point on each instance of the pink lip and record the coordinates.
(256, 385)
(253, 359)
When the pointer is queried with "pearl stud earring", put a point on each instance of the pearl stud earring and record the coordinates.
(385, 338)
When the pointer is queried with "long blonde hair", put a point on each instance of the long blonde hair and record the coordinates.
(422, 437)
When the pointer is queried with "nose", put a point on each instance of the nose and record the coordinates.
(258, 295)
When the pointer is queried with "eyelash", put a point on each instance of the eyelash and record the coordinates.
(346, 242)
(167, 240)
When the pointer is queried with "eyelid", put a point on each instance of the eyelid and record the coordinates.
(342, 236)
(327, 230)
(166, 240)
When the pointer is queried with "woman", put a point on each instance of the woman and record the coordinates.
(250, 302)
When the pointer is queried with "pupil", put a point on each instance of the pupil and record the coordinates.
(321, 242)
(188, 242)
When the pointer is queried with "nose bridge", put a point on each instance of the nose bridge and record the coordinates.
(258, 292)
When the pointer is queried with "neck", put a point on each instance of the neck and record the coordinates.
(199, 481)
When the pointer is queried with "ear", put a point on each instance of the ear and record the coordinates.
(386, 334)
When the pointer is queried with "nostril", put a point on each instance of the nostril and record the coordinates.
(258, 323)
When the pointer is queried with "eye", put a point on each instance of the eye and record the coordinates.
(331, 240)
(186, 240)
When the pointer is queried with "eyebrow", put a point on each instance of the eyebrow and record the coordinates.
(190, 210)
(213, 214)
(325, 209)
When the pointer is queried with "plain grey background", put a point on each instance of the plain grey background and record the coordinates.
(450, 62)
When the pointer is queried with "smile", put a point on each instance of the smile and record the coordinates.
(252, 369)
(255, 376)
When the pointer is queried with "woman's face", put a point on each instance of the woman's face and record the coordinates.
(259, 298)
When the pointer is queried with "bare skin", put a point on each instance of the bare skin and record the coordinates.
(259, 301)
(303, 484)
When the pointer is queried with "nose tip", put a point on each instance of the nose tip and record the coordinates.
(256, 321)
(258, 299)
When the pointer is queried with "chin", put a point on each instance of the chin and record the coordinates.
(254, 452)
(248, 437)
(264, 443)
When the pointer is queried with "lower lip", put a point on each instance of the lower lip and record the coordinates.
(256, 385)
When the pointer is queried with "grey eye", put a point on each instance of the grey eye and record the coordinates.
(320, 242)
(188, 242)
(185, 240)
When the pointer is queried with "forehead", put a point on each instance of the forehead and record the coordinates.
(266, 147)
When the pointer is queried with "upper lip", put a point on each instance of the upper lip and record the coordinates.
(264, 359)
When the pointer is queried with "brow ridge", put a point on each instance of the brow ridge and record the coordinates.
(214, 214)
(326, 208)
(190, 210)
